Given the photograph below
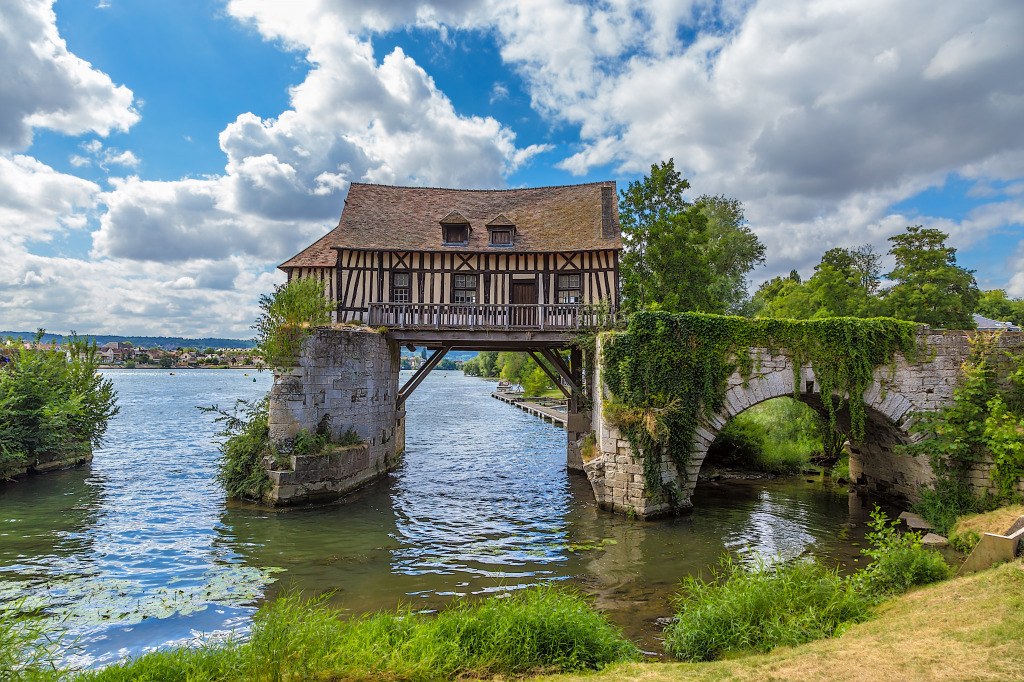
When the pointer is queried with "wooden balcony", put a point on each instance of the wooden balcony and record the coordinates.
(544, 317)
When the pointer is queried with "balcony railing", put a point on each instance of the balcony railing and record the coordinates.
(542, 316)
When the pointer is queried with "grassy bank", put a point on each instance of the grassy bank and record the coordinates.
(964, 629)
(537, 630)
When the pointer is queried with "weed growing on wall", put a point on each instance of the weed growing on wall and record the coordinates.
(289, 315)
(666, 370)
(246, 434)
(984, 422)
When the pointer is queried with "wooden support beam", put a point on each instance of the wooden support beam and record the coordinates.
(559, 364)
(555, 379)
(420, 375)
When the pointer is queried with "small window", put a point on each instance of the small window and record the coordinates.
(400, 287)
(464, 289)
(501, 237)
(569, 290)
(456, 234)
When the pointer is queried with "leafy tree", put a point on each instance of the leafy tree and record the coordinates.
(844, 284)
(732, 250)
(210, 351)
(166, 361)
(680, 256)
(446, 364)
(995, 305)
(143, 358)
(929, 286)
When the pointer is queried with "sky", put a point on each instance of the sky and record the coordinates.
(159, 158)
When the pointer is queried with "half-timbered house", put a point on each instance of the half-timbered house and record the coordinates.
(415, 256)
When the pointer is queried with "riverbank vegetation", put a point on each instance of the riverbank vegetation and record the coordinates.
(759, 607)
(518, 368)
(537, 630)
(983, 423)
(53, 403)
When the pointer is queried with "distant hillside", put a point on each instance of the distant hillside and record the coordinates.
(165, 342)
(451, 355)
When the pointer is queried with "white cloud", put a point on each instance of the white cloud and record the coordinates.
(42, 85)
(818, 115)
(37, 202)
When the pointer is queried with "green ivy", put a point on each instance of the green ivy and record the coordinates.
(666, 369)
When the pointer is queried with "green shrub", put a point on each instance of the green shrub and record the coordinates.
(246, 434)
(778, 437)
(52, 401)
(761, 607)
(289, 315)
(536, 630)
(899, 560)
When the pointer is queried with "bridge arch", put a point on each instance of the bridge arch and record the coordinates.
(874, 462)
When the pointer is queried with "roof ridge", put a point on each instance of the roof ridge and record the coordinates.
(459, 189)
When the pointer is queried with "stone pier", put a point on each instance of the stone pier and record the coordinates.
(346, 379)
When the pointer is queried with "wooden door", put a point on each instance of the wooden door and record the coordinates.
(524, 293)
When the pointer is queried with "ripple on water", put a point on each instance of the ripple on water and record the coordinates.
(140, 550)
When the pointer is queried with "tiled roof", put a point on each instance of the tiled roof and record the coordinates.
(563, 218)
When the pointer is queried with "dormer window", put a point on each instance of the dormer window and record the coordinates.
(456, 235)
(455, 229)
(501, 237)
(501, 231)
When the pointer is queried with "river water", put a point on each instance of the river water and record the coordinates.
(140, 550)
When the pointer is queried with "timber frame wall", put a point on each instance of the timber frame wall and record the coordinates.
(362, 277)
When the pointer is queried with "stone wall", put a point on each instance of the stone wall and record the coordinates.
(49, 461)
(347, 378)
(897, 391)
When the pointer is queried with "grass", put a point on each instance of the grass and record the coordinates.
(760, 608)
(968, 529)
(764, 606)
(964, 629)
(538, 630)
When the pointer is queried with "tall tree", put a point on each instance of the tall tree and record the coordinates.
(645, 210)
(732, 250)
(929, 286)
(845, 282)
(680, 256)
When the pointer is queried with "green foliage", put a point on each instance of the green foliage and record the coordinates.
(680, 256)
(289, 315)
(982, 423)
(764, 606)
(666, 369)
(166, 361)
(761, 607)
(536, 630)
(899, 560)
(52, 401)
(246, 434)
(995, 305)
(778, 436)
(483, 365)
(929, 286)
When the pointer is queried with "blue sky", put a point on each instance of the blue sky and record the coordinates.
(159, 159)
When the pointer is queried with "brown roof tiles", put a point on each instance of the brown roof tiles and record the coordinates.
(563, 218)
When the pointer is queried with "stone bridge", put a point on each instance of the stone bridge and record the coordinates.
(896, 393)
